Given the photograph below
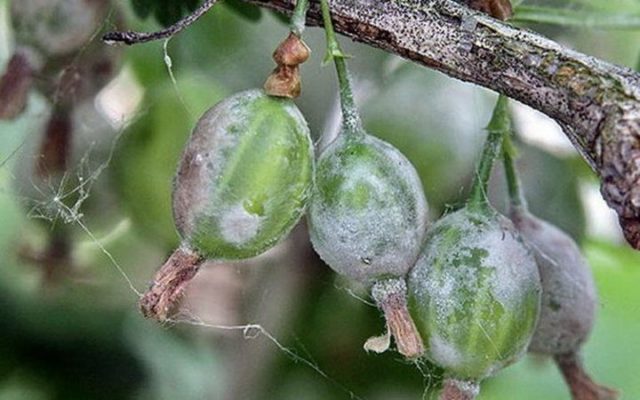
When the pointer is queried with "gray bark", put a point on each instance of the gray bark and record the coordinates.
(596, 103)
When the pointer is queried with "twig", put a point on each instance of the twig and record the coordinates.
(131, 37)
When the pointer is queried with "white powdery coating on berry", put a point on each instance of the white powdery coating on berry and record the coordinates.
(517, 272)
(569, 295)
(469, 388)
(239, 226)
(465, 264)
(212, 134)
(381, 238)
(440, 349)
(516, 269)
(381, 290)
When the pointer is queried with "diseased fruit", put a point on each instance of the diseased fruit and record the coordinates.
(244, 177)
(367, 215)
(56, 54)
(474, 292)
(569, 298)
(242, 184)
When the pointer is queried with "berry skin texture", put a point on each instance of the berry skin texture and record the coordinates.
(368, 213)
(569, 295)
(474, 294)
(244, 177)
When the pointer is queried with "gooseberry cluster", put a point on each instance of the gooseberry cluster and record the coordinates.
(471, 293)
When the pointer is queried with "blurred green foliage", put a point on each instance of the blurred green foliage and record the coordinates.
(147, 156)
(82, 337)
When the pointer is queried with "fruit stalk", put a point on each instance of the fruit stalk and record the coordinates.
(580, 383)
(169, 283)
(455, 389)
(391, 297)
(299, 17)
(350, 116)
(478, 200)
(516, 196)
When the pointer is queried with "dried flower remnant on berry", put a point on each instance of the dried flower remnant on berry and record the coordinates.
(454, 389)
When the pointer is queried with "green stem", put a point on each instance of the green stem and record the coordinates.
(498, 125)
(350, 116)
(298, 19)
(516, 196)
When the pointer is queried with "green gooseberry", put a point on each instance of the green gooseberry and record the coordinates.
(244, 177)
